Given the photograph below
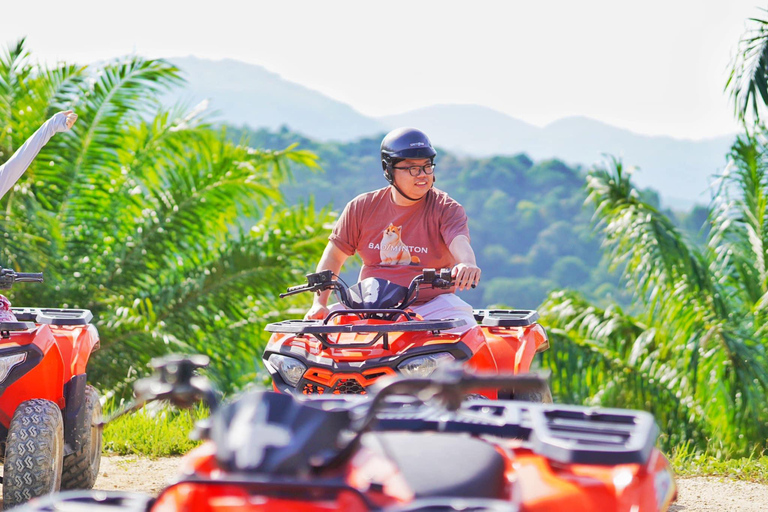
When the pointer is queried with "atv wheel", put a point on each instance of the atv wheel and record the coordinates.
(540, 397)
(33, 452)
(82, 467)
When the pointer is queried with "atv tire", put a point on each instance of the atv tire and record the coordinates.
(33, 452)
(539, 397)
(82, 467)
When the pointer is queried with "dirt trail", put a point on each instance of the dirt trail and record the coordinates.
(141, 474)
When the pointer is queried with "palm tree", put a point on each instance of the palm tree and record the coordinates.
(693, 352)
(174, 237)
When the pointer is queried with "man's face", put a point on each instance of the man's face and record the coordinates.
(413, 186)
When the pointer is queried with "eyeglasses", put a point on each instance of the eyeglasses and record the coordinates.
(416, 169)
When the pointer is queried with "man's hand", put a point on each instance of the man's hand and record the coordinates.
(465, 275)
(63, 121)
(71, 118)
(317, 312)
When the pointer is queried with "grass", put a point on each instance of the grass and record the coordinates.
(155, 431)
(714, 462)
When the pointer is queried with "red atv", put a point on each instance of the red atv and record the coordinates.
(411, 445)
(47, 411)
(375, 334)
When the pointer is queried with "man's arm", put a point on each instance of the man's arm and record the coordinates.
(466, 272)
(12, 170)
(332, 259)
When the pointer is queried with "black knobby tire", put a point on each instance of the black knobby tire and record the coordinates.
(540, 397)
(33, 452)
(82, 467)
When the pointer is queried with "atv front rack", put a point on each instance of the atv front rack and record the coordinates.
(320, 330)
(50, 316)
(7, 327)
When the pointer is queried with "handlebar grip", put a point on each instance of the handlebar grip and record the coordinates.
(298, 288)
(27, 277)
(294, 292)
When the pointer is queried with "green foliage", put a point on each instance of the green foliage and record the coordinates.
(175, 238)
(748, 80)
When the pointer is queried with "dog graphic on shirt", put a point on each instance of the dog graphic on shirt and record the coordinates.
(392, 249)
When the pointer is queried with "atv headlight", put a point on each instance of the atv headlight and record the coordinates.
(424, 366)
(7, 364)
(290, 369)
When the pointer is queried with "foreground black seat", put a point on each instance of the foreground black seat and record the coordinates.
(444, 465)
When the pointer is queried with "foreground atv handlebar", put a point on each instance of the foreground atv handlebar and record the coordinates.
(450, 385)
(8, 277)
(175, 380)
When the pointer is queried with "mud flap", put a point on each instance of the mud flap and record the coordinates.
(74, 422)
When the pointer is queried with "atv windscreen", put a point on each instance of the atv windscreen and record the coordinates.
(270, 433)
(375, 293)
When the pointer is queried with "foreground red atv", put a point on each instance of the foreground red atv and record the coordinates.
(412, 445)
(46, 408)
(375, 334)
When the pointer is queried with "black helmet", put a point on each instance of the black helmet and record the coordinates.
(402, 143)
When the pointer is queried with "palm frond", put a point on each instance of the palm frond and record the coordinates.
(748, 80)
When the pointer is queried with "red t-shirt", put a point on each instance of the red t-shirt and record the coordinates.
(397, 242)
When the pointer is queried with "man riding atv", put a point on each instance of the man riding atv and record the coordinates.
(403, 228)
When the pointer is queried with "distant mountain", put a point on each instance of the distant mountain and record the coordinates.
(246, 94)
(679, 169)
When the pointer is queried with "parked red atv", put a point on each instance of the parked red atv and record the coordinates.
(375, 334)
(410, 445)
(47, 410)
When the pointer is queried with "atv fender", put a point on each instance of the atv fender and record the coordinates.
(77, 343)
(43, 379)
(74, 422)
(515, 347)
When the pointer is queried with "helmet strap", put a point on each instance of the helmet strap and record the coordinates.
(403, 193)
(390, 176)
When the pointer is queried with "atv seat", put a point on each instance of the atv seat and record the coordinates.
(444, 465)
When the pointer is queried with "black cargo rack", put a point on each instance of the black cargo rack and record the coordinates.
(52, 316)
(506, 317)
(7, 327)
(321, 330)
(565, 434)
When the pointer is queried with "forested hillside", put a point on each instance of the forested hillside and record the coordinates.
(529, 226)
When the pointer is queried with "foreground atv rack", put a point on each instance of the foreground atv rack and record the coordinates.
(565, 434)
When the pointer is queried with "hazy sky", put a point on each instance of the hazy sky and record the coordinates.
(654, 67)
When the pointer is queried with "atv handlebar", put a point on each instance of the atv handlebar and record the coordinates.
(322, 281)
(8, 277)
(449, 385)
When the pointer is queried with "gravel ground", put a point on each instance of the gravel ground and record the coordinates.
(720, 494)
(131, 473)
